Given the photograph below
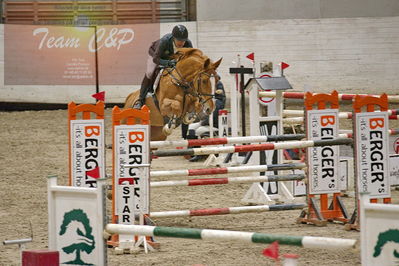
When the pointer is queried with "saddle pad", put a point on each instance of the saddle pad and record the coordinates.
(157, 79)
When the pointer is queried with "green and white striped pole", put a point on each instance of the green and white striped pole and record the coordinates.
(223, 235)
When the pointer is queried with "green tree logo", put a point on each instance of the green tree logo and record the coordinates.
(77, 231)
(392, 235)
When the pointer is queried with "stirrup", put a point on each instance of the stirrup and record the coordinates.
(138, 104)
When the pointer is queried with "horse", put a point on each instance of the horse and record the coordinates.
(184, 93)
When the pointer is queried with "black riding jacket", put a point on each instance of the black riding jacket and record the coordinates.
(162, 49)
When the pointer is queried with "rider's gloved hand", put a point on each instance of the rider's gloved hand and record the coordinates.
(172, 63)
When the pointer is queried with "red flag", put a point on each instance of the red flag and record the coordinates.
(99, 96)
(95, 173)
(251, 56)
(284, 65)
(272, 250)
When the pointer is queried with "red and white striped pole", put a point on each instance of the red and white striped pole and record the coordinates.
(227, 180)
(223, 211)
(223, 141)
(254, 147)
(228, 170)
(342, 97)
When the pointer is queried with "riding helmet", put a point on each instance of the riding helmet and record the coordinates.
(180, 33)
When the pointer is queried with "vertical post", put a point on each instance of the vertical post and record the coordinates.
(96, 59)
(234, 106)
(254, 114)
(243, 131)
(234, 111)
(211, 131)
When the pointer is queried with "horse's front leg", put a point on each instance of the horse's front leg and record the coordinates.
(171, 108)
(193, 108)
(168, 127)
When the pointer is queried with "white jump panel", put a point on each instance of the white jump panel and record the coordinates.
(379, 233)
(76, 223)
(87, 151)
(372, 164)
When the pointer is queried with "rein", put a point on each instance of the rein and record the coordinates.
(186, 86)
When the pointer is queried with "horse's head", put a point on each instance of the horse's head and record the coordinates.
(200, 73)
(206, 86)
(189, 86)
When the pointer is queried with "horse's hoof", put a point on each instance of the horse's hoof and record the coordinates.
(187, 120)
(166, 130)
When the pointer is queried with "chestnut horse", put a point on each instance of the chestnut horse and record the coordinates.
(183, 94)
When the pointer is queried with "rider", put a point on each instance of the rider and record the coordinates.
(160, 53)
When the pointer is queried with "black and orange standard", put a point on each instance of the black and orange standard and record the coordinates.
(128, 116)
(328, 211)
(370, 102)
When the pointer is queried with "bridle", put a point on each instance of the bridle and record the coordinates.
(189, 88)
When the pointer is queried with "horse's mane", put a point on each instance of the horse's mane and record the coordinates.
(184, 53)
(190, 60)
(190, 53)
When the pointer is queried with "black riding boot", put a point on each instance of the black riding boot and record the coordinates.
(146, 85)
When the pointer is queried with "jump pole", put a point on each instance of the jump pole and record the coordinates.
(223, 141)
(299, 120)
(342, 115)
(224, 211)
(228, 170)
(238, 236)
(254, 147)
(227, 180)
(341, 97)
